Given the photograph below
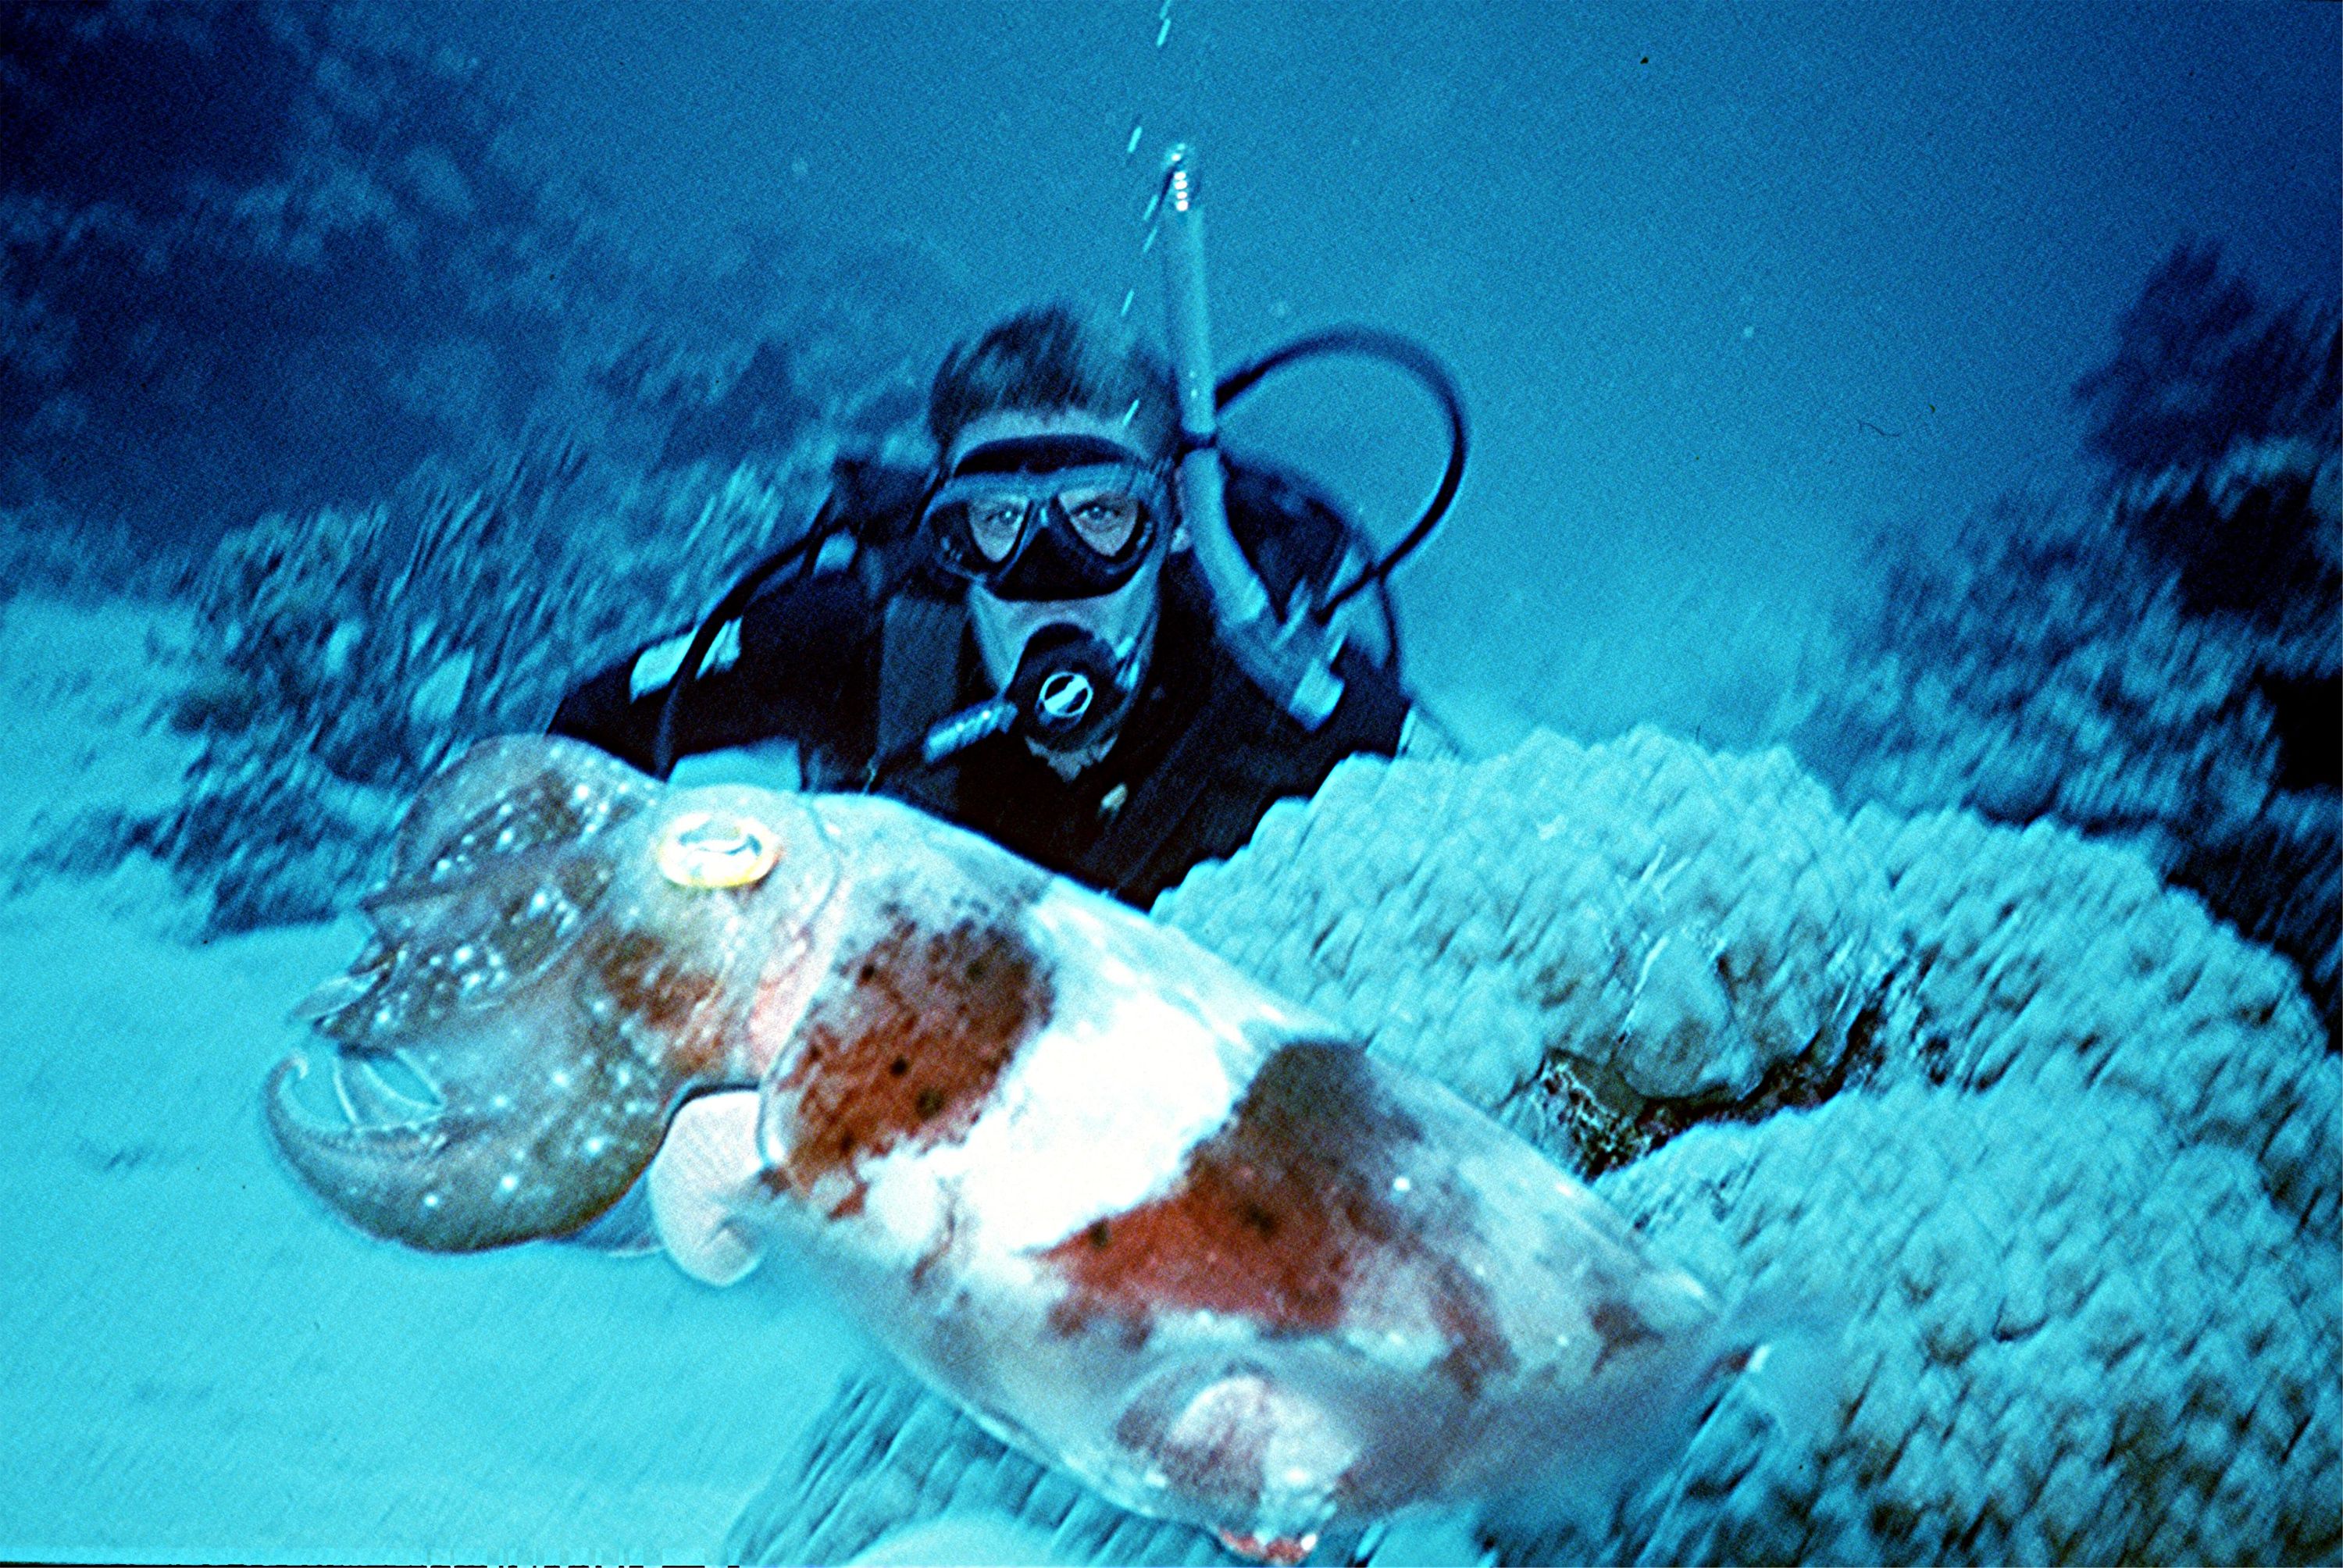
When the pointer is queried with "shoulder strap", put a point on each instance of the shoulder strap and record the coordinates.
(919, 667)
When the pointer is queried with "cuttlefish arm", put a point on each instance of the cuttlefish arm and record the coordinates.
(566, 953)
(536, 1141)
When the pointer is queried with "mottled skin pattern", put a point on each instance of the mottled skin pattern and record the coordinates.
(562, 997)
(911, 1049)
(1141, 1219)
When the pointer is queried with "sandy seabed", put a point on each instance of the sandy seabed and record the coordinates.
(195, 1360)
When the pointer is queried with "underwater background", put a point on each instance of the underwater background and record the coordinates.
(1904, 497)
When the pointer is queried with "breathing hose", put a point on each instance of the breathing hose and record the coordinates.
(1403, 353)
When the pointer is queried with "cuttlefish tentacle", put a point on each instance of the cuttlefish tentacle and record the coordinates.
(562, 959)
(527, 1141)
(367, 1100)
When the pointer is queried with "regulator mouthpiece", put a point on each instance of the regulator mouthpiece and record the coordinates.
(1068, 690)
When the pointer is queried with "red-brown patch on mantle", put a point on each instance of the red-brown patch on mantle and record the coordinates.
(1276, 1217)
(904, 1044)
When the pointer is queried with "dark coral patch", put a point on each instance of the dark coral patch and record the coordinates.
(907, 1044)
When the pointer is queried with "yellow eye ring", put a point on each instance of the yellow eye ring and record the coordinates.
(717, 850)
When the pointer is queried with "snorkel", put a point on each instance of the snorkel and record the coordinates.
(1293, 662)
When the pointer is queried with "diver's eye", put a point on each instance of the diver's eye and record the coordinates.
(994, 526)
(717, 850)
(1105, 519)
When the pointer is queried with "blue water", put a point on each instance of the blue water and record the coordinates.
(1760, 314)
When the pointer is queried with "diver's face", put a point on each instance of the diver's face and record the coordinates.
(1123, 620)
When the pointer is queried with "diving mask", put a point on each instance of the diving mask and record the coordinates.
(1054, 518)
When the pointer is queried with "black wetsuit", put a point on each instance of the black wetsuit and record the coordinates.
(849, 663)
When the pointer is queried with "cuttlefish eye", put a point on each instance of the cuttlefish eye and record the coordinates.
(717, 850)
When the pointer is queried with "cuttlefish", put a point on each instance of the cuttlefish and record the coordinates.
(1139, 1218)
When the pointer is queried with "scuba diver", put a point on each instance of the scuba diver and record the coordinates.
(1047, 521)
(1086, 633)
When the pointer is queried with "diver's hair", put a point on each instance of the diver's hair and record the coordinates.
(1053, 356)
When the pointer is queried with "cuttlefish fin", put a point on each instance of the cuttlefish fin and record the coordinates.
(705, 1168)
